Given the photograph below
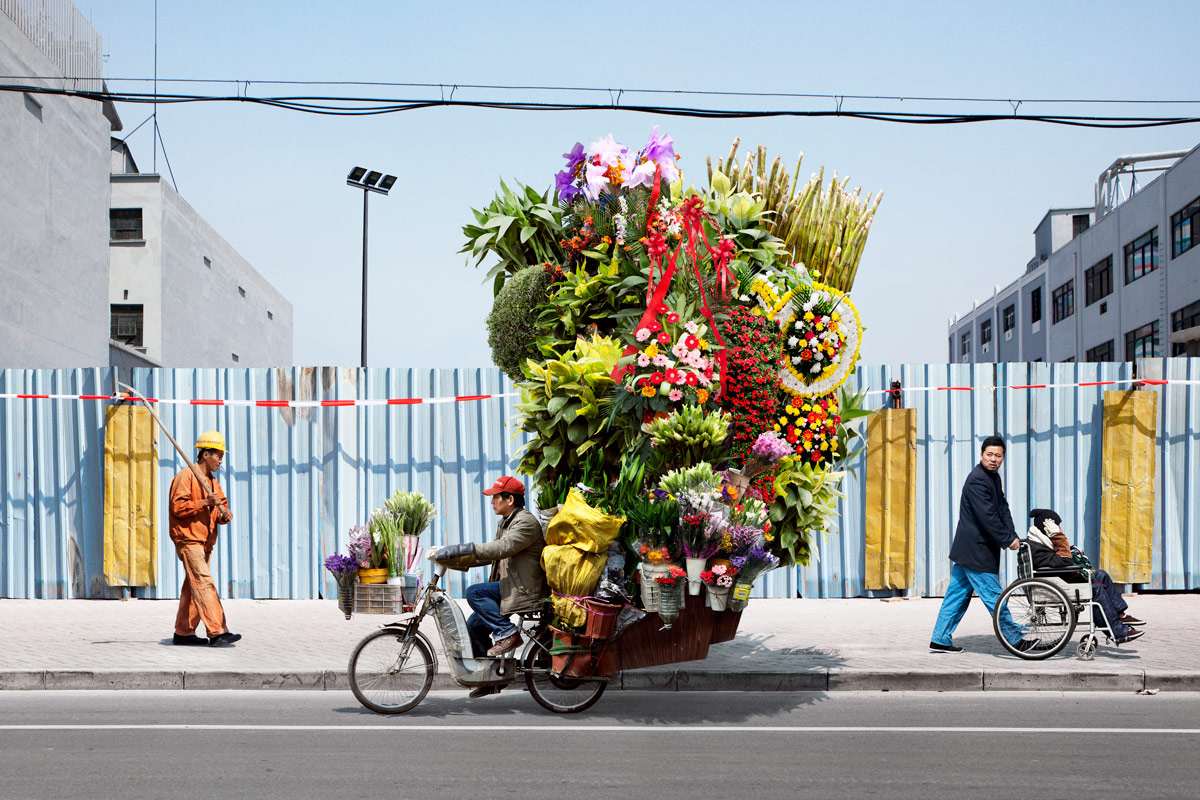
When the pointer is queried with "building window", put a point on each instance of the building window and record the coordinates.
(1101, 352)
(1035, 305)
(1141, 256)
(241, 291)
(1009, 315)
(125, 324)
(985, 332)
(1064, 301)
(1079, 224)
(124, 224)
(1097, 282)
(1183, 228)
(1184, 318)
(208, 262)
(965, 346)
(1142, 342)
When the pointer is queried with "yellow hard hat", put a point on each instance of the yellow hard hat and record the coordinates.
(211, 440)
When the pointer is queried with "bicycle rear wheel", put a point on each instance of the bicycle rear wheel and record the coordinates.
(560, 695)
(1043, 610)
(384, 678)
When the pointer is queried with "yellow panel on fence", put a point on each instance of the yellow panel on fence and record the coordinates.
(891, 512)
(130, 486)
(1127, 480)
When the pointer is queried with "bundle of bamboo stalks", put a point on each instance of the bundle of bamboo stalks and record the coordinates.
(824, 230)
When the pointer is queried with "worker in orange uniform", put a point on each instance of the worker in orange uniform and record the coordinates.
(198, 506)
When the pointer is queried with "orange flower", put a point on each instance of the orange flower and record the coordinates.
(701, 395)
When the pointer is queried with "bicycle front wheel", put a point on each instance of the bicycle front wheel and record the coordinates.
(390, 672)
(560, 695)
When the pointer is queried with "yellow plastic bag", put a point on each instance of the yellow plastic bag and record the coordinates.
(577, 541)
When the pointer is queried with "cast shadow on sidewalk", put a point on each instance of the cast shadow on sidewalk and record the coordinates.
(978, 643)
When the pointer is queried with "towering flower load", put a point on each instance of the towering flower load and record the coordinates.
(713, 324)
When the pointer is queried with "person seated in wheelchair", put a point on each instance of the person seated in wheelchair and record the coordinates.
(517, 582)
(1050, 550)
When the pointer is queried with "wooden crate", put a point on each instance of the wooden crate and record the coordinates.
(644, 644)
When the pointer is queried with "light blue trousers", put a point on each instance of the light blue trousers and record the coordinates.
(958, 597)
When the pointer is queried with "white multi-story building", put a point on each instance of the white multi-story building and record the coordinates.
(1116, 281)
(100, 264)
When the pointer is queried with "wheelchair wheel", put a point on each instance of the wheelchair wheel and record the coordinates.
(1087, 647)
(1045, 614)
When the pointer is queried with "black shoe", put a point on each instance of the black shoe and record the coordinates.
(1129, 637)
(224, 639)
(934, 647)
(191, 639)
(483, 691)
(1025, 645)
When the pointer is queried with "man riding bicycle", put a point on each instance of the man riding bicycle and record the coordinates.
(517, 581)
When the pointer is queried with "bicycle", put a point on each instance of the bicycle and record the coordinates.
(392, 669)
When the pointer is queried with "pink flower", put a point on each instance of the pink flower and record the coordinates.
(643, 334)
(699, 361)
(679, 351)
(643, 360)
(691, 327)
(664, 337)
(719, 569)
(661, 360)
(675, 395)
(725, 580)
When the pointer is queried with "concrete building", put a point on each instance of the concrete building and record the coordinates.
(1115, 281)
(79, 223)
(179, 293)
(53, 191)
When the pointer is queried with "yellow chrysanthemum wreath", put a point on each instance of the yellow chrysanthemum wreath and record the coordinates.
(822, 333)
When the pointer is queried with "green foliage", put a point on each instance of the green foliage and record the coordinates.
(697, 478)
(850, 409)
(560, 406)
(805, 500)
(522, 229)
(584, 303)
(690, 435)
(512, 329)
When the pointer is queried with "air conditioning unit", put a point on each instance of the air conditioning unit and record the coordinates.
(1008, 335)
(1037, 326)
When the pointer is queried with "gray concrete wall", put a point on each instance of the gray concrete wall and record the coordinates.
(214, 310)
(53, 219)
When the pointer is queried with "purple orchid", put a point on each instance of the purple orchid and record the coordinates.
(574, 158)
(660, 150)
(564, 182)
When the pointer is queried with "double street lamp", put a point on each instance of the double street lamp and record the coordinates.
(369, 181)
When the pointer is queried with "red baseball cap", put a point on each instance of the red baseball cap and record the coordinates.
(506, 484)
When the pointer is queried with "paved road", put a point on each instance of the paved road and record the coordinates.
(269, 744)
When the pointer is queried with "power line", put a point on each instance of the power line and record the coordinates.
(370, 106)
(832, 96)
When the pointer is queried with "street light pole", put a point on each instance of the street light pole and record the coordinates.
(368, 181)
(366, 194)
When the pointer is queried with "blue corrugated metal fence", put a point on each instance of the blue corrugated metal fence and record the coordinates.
(298, 479)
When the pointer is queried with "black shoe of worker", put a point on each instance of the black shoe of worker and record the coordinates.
(483, 691)
(934, 647)
(224, 639)
(1129, 637)
(1025, 645)
(190, 639)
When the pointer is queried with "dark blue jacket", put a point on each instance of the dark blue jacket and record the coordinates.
(985, 525)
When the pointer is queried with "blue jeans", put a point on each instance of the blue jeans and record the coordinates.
(958, 597)
(487, 625)
(1111, 601)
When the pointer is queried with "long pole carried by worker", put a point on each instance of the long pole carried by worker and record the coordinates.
(129, 390)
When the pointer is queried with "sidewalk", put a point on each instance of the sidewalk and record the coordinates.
(782, 645)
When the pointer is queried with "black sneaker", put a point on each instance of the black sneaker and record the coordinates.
(934, 647)
(224, 639)
(483, 691)
(1129, 637)
(190, 639)
(1025, 645)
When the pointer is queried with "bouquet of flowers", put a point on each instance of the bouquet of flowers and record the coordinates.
(385, 540)
(689, 436)
(672, 364)
(412, 514)
(702, 520)
(344, 569)
(674, 577)
(755, 562)
(360, 547)
(810, 426)
(669, 594)
(765, 453)
(697, 478)
(655, 520)
(721, 575)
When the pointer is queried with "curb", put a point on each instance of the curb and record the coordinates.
(842, 679)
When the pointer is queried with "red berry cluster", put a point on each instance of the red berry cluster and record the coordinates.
(752, 389)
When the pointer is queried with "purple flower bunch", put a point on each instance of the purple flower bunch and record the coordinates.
(743, 539)
(340, 565)
(765, 453)
(758, 561)
(360, 546)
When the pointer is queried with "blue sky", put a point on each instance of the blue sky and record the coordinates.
(960, 201)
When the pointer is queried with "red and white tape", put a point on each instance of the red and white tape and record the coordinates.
(1015, 387)
(390, 401)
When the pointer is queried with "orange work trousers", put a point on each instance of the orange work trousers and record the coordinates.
(198, 601)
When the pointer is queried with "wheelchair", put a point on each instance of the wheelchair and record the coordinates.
(1048, 605)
